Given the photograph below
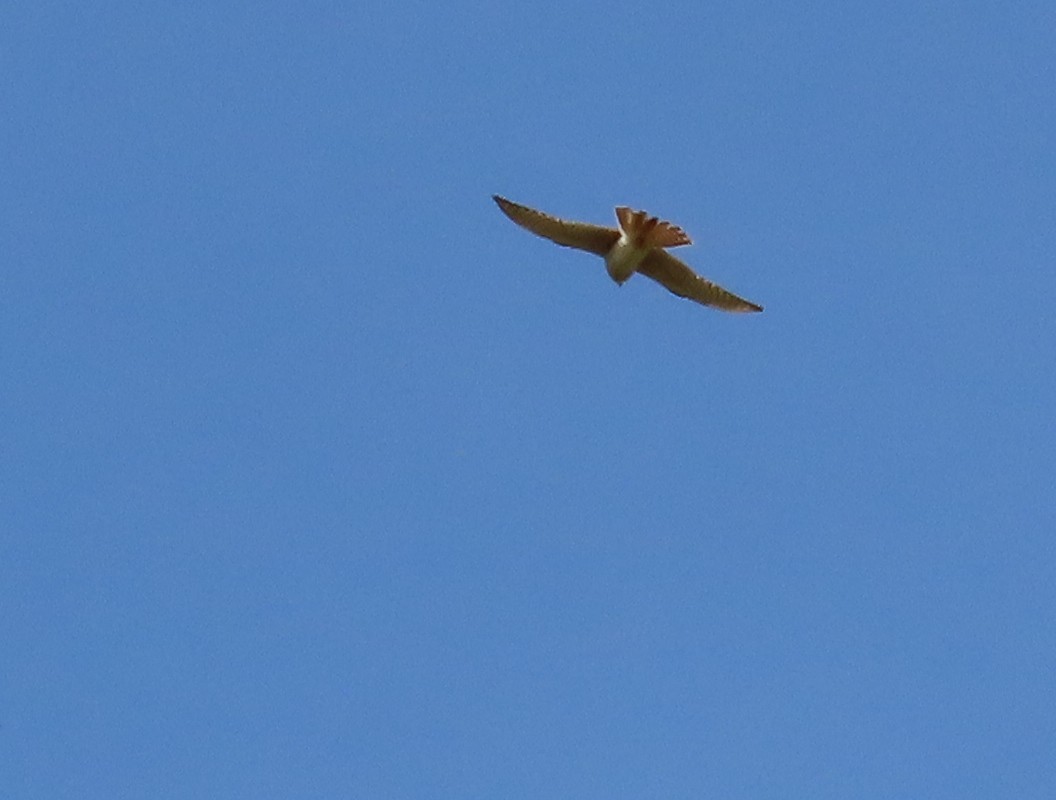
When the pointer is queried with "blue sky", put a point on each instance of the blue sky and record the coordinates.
(320, 478)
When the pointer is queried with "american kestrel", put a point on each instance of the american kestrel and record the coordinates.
(638, 245)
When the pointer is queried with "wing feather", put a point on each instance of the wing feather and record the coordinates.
(596, 239)
(679, 279)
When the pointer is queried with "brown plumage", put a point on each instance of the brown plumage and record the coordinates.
(636, 246)
(646, 231)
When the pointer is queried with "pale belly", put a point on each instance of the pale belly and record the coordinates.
(623, 259)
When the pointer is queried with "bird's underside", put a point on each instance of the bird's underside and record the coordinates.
(638, 245)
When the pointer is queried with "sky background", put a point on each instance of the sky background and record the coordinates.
(319, 478)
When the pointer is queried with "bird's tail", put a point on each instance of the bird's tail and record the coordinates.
(646, 231)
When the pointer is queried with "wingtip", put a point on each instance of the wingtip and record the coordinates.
(505, 206)
(749, 308)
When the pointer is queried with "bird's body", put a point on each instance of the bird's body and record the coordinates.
(638, 245)
(624, 258)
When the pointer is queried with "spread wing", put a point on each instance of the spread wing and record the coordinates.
(582, 235)
(679, 279)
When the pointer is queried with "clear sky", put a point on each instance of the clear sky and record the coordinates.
(322, 479)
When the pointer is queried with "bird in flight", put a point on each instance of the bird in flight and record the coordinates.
(638, 245)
